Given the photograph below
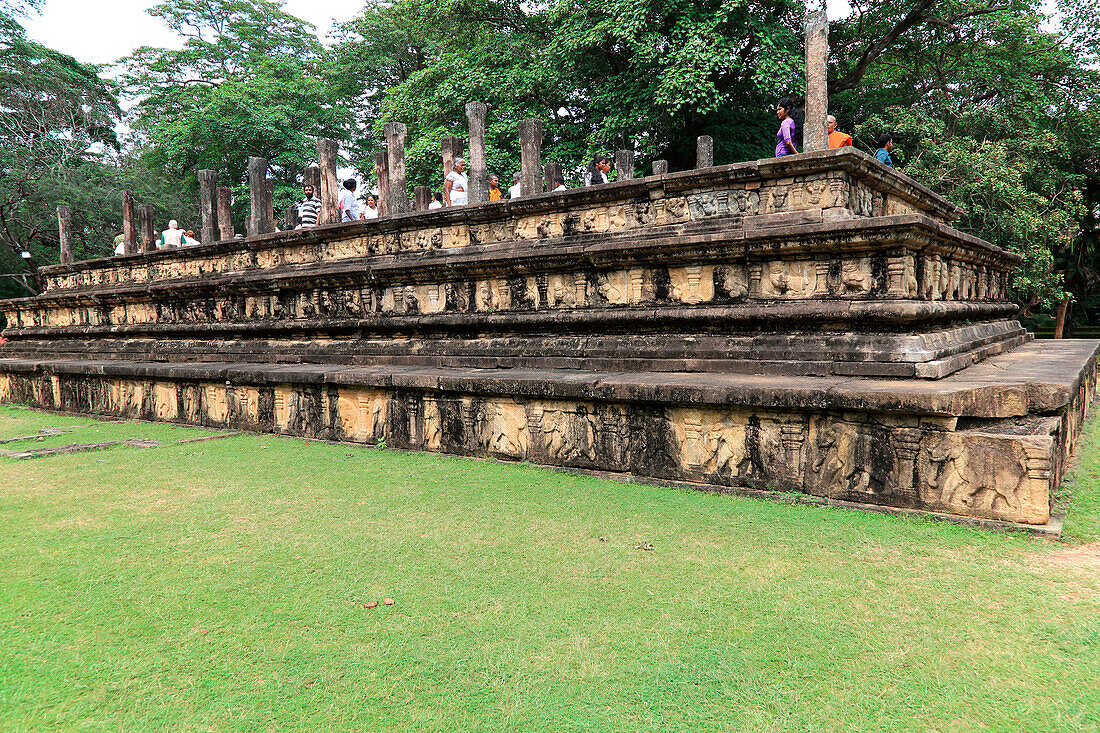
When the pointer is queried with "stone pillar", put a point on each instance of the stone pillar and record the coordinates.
(451, 147)
(208, 196)
(269, 201)
(329, 190)
(65, 233)
(129, 224)
(817, 95)
(382, 172)
(147, 232)
(530, 148)
(479, 173)
(624, 165)
(907, 448)
(551, 171)
(422, 196)
(225, 214)
(704, 151)
(398, 201)
(260, 219)
(660, 167)
(312, 177)
(290, 218)
(448, 155)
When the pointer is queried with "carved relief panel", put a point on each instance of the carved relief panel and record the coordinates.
(788, 279)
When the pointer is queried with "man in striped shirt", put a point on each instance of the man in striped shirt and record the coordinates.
(308, 209)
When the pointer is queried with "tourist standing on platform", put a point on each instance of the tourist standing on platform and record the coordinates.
(597, 171)
(349, 205)
(559, 184)
(788, 129)
(191, 241)
(120, 244)
(454, 188)
(885, 145)
(371, 209)
(514, 191)
(837, 139)
(172, 236)
(437, 201)
(309, 208)
(495, 194)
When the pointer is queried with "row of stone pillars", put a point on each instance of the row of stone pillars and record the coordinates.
(389, 167)
(138, 227)
(389, 170)
(389, 164)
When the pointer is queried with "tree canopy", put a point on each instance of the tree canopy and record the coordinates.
(249, 81)
(57, 119)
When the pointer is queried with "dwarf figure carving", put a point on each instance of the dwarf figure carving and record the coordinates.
(854, 279)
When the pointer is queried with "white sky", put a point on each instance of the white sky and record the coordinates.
(99, 32)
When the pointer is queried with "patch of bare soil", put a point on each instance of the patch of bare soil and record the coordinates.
(1083, 557)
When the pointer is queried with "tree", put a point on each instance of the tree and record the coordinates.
(57, 121)
(247, 82)
(991, 107)
(601, 75)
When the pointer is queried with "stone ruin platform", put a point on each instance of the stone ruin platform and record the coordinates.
(808, 324)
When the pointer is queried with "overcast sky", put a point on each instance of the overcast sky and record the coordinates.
(99, 32)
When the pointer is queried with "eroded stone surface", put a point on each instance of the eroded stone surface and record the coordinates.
(810, 324)
(894, 452)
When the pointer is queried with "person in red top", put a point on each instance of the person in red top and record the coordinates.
(837, 139)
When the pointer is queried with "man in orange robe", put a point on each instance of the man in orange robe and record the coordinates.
(837, 139)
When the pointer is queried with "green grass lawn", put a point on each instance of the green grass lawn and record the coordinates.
(220, 586)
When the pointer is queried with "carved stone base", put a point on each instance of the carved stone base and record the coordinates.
(987, 442)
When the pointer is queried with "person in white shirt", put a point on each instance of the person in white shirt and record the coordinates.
(437, 201)
(191, 241)
(597, 171)
(513, 192)
(371, 209)
(454, 188)
(171, 237)
(559, 184)
(349, 205)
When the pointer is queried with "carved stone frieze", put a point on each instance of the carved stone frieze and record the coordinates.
(788, 279)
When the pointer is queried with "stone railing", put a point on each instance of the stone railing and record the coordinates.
(763, 230)
(823, 243)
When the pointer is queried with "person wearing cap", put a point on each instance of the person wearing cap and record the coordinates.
(172, 237)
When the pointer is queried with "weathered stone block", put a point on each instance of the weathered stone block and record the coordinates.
(810, 324)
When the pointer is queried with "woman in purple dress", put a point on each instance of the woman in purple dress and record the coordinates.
(785, 138)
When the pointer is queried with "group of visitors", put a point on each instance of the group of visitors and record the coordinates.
(455, 192)
(309, 209)
(791, 123)
(349, 204)
(170, 238)
(456, 184)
